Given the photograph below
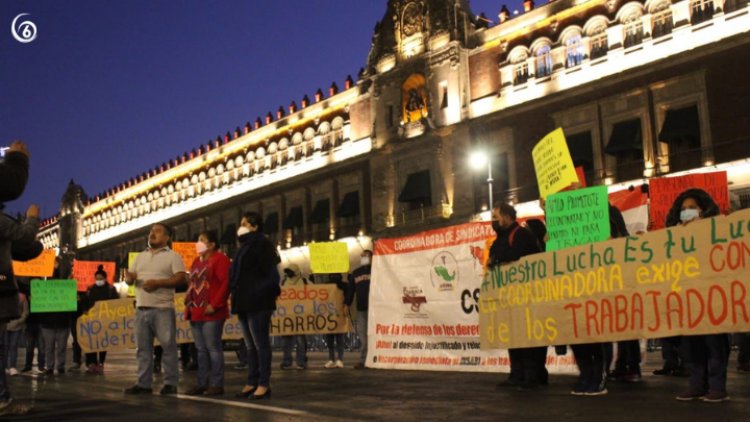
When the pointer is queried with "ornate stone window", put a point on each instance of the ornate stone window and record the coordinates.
(414, 98)
(575, 50)
(661, 16)
(701, 11)
(519, 60)
(633, 27)
(542, 61)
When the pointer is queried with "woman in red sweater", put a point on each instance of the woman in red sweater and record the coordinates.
(206, 308)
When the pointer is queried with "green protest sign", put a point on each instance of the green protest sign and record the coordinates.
(53, 296)
(577, 217)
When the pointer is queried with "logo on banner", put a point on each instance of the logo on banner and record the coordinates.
(415, 297)
(444, 274)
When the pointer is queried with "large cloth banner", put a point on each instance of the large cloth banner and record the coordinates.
(424, 311)
(681, 280)
(310, 309)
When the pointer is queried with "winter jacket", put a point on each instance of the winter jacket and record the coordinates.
(359, 284)
(512, 244)
(96, 293)
(209, 285)
(254, 276)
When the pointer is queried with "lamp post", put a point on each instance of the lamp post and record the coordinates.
(478, 160)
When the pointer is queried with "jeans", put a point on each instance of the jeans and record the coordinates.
(707, 358)
(207, 335)
(362, 332)
(4, 392)
(55, 342)
(335, 346)
(590, 360)
(288, 343)
(156, 323)
(34, 341)
(13, 338)
(256, 327)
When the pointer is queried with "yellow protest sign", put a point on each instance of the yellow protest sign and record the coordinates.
(553, 164)
(131, 258)
(329, 258)
(41, 266)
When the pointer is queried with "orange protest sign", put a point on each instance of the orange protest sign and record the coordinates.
(84, 273)
(41, 266)
(665, 190)
(187, 252)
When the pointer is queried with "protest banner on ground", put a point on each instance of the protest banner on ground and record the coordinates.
(681, 280)
(84, 272)
(423, 311)
(309, 309)
(329, 257)
(577, 217)
(552, 164)
(53, 296)
(664, 191)
(187, 251)
(41, 266)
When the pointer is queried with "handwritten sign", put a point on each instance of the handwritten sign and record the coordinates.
(308, 309)
(41, 266)
(53, 296)
(577, 217)
(85, 273)
(552, 163)
(665, 190)
(187, 252)
(329, 257)
(678, 281)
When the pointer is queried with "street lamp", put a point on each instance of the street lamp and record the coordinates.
(478, 160)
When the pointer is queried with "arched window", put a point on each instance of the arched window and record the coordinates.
(414, 104)
(574, 48)
(701, 11)
(519, 59)
(661, 19)
(543, 61)
(596, 32)
(631, 18)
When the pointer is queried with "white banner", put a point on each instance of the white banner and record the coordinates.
(423, 304)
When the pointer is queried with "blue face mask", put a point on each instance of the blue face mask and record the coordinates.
(689, 214)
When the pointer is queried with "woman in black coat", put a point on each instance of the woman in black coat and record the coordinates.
(254, 285)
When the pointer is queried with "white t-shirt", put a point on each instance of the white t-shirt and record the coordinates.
(156, 264)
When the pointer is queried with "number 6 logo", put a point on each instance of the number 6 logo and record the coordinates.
(27, 30)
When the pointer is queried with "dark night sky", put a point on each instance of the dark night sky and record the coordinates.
(110, 89)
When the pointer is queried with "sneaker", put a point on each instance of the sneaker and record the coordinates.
(715, 397)
(597, 392)
(690, 396)
(214, 391)
(168, 390)
(743, 367)
(13, 372)
(578, 390)
(136, 389)
(339, 363)
(330, 364)
(196, 391)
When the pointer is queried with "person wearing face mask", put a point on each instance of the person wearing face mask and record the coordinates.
(101, 290)
(513, 242)
(359, 285)
(706, 356)
(293, 278)
(206, 308)
(254, 283)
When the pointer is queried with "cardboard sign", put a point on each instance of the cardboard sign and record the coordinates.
(41, 266)
(683, 280)
(309, 309)
(85, 273)
(187, 252)
(53, 296)
(577, 217)
(665, 190)
(329, 257)
(552, 163)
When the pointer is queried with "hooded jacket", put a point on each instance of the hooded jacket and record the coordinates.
(254, 277)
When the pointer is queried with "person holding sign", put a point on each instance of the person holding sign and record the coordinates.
(206, 308)
(706, 356)
(254, 285)
(156, 272)
(99, 291)
(513, 241)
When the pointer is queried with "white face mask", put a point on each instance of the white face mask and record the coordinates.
(100, 283)
(689, 214)
(365, 260)
(242, 231)
(201, 248)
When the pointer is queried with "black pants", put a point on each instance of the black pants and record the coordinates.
(707, 357)
(76, 347)
(590, 360)
(743, 341)
(527, 366)
(95, 358)
(672, 353)
(628, 357)
(33, 341)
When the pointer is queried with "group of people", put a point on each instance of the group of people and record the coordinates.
(702, 358)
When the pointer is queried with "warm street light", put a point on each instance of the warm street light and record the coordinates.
(478, 160)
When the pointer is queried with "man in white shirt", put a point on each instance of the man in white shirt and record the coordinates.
(156, 272)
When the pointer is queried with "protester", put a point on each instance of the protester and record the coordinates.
(359, 285)
(156, 272)
(55, 332)
(206, 308)
(513, 242)
(706, 356)
(32, 334)
(15, 330)
(101, 290)
(293, 278)
(14, 173)
(254, 286)
(81, 308)
(335, 342)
